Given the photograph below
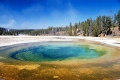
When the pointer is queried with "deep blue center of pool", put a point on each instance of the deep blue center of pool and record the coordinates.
(54, 52)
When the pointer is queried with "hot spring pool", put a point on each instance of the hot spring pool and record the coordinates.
(59, 60)
(57, 51)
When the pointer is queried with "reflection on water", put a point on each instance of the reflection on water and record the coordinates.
(59, 61)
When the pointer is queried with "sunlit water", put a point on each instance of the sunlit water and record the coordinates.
(57, 51)
(66, 60)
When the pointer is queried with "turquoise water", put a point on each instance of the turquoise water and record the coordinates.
(56, 51)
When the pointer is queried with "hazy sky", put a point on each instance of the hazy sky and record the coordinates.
(21, 14)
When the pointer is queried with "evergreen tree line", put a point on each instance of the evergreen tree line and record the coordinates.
(89, 27)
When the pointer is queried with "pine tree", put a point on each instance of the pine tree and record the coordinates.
(70, 29)
(83, 28)
(95, 30)
(75, 29)
(117, 17)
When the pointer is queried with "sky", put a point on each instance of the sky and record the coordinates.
(40, 14)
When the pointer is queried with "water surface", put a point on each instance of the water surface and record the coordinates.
(67, 60)
(57, 51)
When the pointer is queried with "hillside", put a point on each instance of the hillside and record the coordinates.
(115, 31)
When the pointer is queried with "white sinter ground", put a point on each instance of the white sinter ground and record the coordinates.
(10, 40)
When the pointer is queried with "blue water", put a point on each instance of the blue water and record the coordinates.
(56, 51)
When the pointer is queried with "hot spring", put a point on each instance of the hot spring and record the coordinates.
(57, 51)
(55, 60)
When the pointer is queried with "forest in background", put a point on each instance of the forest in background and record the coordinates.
(102, 25)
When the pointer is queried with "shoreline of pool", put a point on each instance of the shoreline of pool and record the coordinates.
(11, 40)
